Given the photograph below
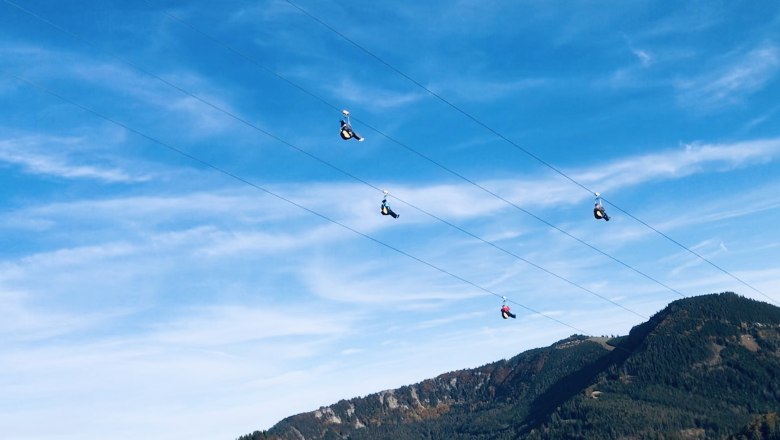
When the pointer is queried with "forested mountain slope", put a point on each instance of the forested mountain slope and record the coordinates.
(704, 367)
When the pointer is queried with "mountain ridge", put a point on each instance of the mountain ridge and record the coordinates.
(702, 367)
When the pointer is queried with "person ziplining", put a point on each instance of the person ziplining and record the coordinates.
(598, 209)
(347, 132)
(505, 313)
(385, 208)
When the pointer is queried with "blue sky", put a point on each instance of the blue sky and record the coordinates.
(169, 270)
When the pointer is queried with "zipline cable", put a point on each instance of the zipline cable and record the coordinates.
(514, 144)
(408, 148)
(327, 103)
(242, 180)
(358, 179)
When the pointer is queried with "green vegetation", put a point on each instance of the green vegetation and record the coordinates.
(764, 427)
(703, 368)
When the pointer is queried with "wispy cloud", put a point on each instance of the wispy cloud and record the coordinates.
(643, 55)
(268, 11)
(376, 97)
(736, 77)
(684, 260)
(226, 325)
(224, 349)
(21, 321)
(131, 85)
(760, 119)
(169, 93)
(689, 19)
(364, 284)
(759, 200)
(452, 202)
(692, 159)
(482, 89)
(68, 158)
(544, 191)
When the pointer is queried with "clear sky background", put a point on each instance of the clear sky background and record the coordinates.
(189, 250)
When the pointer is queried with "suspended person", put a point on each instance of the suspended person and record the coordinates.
(346, 129)
(598, 209)
(385, 208)
(505, 313)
